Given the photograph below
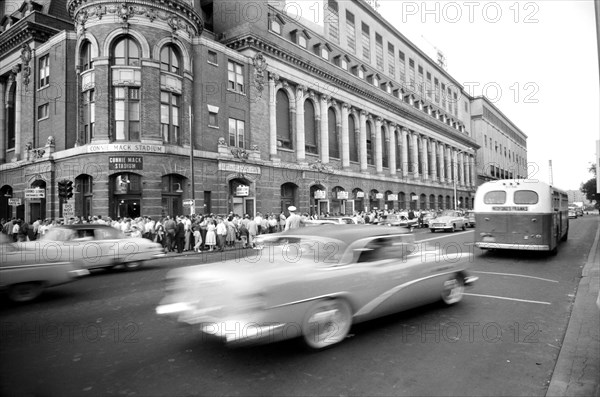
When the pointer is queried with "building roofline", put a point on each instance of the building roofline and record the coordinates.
(513, 125)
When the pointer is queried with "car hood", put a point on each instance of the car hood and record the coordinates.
(445, 219)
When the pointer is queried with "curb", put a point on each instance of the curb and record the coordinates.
(578, 365)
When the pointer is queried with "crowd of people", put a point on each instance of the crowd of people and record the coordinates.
(197, 233)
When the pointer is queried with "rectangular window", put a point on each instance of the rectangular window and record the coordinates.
(275, 26)
(436, 88)
(235, 76)
(391, 61)
(44, 71)
(366, 43)
(212, 58)
(89, 115)
(350, 32)
(332, 20)
(402, 66)
(43, 111)
(302, 41)
(169, 117)
(127, 113)
(213, 119)
(236, 133)
(379, 51)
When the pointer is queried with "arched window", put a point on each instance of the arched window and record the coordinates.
(334, 144)
(284, 134)
(370, 157)
(85, 56)
(169, 59)
(310, 130)
(353, 139)
(126, 52)
(384, 149)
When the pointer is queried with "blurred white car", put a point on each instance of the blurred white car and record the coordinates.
(23, 277)
(448, 220)
(94, 246)
(313, 283)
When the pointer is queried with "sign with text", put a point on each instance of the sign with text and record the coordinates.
(342, 195)
(189, 203)
(242, 190)
(125, 163)
(378, 196)
(392, 197)
(320, 194)
(15, 202)
(126, 147)
(35, 193)
(68, 210)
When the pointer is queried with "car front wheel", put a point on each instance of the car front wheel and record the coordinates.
(453, 290)
(25, 292)
(326, 323)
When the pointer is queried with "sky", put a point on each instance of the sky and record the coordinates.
(537, 61)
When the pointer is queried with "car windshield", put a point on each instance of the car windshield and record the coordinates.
(449, 213)
(321, 250)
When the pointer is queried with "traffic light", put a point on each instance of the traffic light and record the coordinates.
(62, 189)
(69, 189)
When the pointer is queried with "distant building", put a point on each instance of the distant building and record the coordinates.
(578, 196)
(503, 146)
(273, 106)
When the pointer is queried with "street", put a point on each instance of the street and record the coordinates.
(101, 336)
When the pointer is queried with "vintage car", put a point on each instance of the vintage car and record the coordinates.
(572, 214)
(400, 220)
(94, 246)
(24, 277)
(469, 218)
(313, 283)
(342, 220)
(448, 220)
(427, 217)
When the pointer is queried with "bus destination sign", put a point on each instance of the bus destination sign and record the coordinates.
(510, 208)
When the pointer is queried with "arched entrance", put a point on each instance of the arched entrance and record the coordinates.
(125, 195)
(6, 209)
(289, 196)
(359, 200)
(83, 195)
(318, 200)
(241, 197)
(172, 195)
(37, 206)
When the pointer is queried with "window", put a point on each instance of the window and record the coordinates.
(212, 58)
(391, 61)
(370, 157)
(213, 116)
(284, 135)
(353, 139)
(402, 66)
(275, 25)
(43, 111)
(485, 140)
(235, 76)
(85, 56)
(366, 43)
(127, 113)
(379, 51)
(332, 20)
(44, 67)
(89, 115)
(350, 32)
(236, 133)
(302, 41)
(334, 145)
(495, 197)
(169, 116)
(126, 52)
(169, 59)
(429, 88)
(436, 89)
(310, 129)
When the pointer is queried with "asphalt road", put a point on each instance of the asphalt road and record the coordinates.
(101, 336)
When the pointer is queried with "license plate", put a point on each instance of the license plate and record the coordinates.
(489, 239)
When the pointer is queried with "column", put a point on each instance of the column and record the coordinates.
(18, 99)
(433, 160)
(472, 174)
(415, 154)
(448, 164)
(272, 118)
(425, 160)
(324, 128)
(363, 141)
(392, 148)
(345, 137)
(3, 88)
(300, 141)
(442, 164)
(461, 169)
(404, 153)
(378, 147)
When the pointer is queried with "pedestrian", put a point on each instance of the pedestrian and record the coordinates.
(180, 235)
(294, 220)
(170, 226)
(197, 239)
(221, 234)
(252, 232)
(211, 235)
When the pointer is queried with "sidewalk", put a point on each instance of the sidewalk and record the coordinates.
(577, 371)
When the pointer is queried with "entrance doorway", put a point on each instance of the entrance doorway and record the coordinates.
(129, 207)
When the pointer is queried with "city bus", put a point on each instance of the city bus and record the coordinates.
(520, 214)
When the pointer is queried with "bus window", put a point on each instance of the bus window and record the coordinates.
(526, 197)
(495, 197)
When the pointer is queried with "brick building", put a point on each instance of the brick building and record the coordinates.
(242, 106)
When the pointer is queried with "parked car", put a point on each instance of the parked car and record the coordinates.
(95, 246)
(572, 214)
(469, 219)
(313, 283)
(448, 220)
(24, 277)
(427, 217)
(400, 220)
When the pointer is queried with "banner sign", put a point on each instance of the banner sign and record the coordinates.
(125, 163)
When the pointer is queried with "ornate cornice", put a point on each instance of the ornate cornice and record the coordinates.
(178, 14)
(24, 32)
(398, 106)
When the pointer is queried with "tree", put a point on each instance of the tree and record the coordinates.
(589, 188)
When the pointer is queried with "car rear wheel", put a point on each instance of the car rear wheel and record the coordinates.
(132, 265)
(453, 291)
(25, 292)
(464, 227)
(326, 323)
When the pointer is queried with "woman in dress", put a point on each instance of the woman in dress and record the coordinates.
(231, 232)
(211, 235)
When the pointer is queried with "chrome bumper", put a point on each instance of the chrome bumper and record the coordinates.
(78, 273)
